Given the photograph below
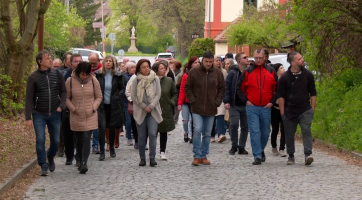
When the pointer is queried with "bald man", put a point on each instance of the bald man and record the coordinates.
(125, 60)
(93, 59)
(57, 63)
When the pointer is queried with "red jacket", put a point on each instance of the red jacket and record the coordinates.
(258, 85)
(99, 66)
(182, 96)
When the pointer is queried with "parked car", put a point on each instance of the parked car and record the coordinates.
(164, 56)
(278, 58)
(85, 53)
(171, 49)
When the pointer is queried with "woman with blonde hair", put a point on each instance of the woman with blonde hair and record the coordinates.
(111, 110)
(228, 63)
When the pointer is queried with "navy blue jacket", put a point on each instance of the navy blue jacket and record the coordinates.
(231, 84)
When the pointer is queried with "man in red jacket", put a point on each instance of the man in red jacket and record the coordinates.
(258, 86)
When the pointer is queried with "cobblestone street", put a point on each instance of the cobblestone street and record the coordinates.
(228, 176)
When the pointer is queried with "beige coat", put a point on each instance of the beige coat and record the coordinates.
(84, 104)
(128, 87)
(139, 113)
(221, 109)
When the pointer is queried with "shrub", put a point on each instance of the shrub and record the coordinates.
(200, 45)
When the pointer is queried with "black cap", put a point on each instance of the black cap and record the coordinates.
(229, 55)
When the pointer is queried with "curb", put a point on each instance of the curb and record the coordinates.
(18, 174)
(353, 153)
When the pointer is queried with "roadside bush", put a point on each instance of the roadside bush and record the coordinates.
(9, 106)
(338, 111)
(200, 45)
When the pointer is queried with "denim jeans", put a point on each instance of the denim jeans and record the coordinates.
(53, 123)
(186, 119)
(219, 126)
(147, 128)
(259, 125)
(95, 140)
(238, 117)
(202, 125)
(128, 123)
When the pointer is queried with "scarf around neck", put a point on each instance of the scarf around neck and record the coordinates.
(144, 84)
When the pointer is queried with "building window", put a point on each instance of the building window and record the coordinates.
(251, 2)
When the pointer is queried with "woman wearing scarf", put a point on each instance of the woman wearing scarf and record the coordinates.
(84, 97)
(167, 102)
(183, 103)
(146, 93)
(111, 110)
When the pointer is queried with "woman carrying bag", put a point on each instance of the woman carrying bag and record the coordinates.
(111, 110)
(84, 97)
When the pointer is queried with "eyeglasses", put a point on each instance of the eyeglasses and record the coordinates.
(259, 58)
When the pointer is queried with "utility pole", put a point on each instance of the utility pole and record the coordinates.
(103, 33)
(209, 18)
(40, 32)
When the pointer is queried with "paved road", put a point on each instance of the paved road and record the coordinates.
(228, 177)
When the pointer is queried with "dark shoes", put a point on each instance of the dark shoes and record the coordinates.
(308, 160)
(262, 156)
(83, 168)
(290, 161)
(60, 152)
(153, 162)
(135, 145)
(142, 162)
(233, 150)
(102, 156)
(112, 152)
(51, 164)
(257, 161)
(44, 170)
(242, 151)
(186, 137)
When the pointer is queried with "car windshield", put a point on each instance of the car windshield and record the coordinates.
(164, 56)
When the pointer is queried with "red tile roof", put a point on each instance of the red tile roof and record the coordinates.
(221, 37)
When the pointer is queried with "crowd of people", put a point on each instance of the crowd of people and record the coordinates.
(86, 105)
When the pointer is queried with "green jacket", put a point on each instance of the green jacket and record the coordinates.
(168, 101)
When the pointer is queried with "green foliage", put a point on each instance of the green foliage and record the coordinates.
(160, 44)
(62, 31)
(338, 111)
(332, 33)
(266, 26)
(8, 105)
(200, 45)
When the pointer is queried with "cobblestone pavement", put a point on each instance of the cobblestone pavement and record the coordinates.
(228, 176)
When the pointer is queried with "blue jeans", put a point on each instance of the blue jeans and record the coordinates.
(53, 123)
(259, 125)
(202, 124)
(128, 123)
(186, 119)
(220, 125)
(95, 141)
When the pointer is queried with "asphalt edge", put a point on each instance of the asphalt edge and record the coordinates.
(353, 153)
(18, 174)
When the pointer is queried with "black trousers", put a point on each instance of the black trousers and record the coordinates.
(276, 121)
(163, 141)
(134, 129)
(104, 123)
(68, 136)
(83, 145)
(213, 131)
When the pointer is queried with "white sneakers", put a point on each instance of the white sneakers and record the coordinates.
(163, 156)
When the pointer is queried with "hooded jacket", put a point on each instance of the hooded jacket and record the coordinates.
(84, 98)
(258, 85)
(231, 85)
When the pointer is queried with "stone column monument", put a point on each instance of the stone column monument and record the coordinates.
(132, 48)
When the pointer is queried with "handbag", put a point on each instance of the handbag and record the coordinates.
(227, 117)
(130, 108)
